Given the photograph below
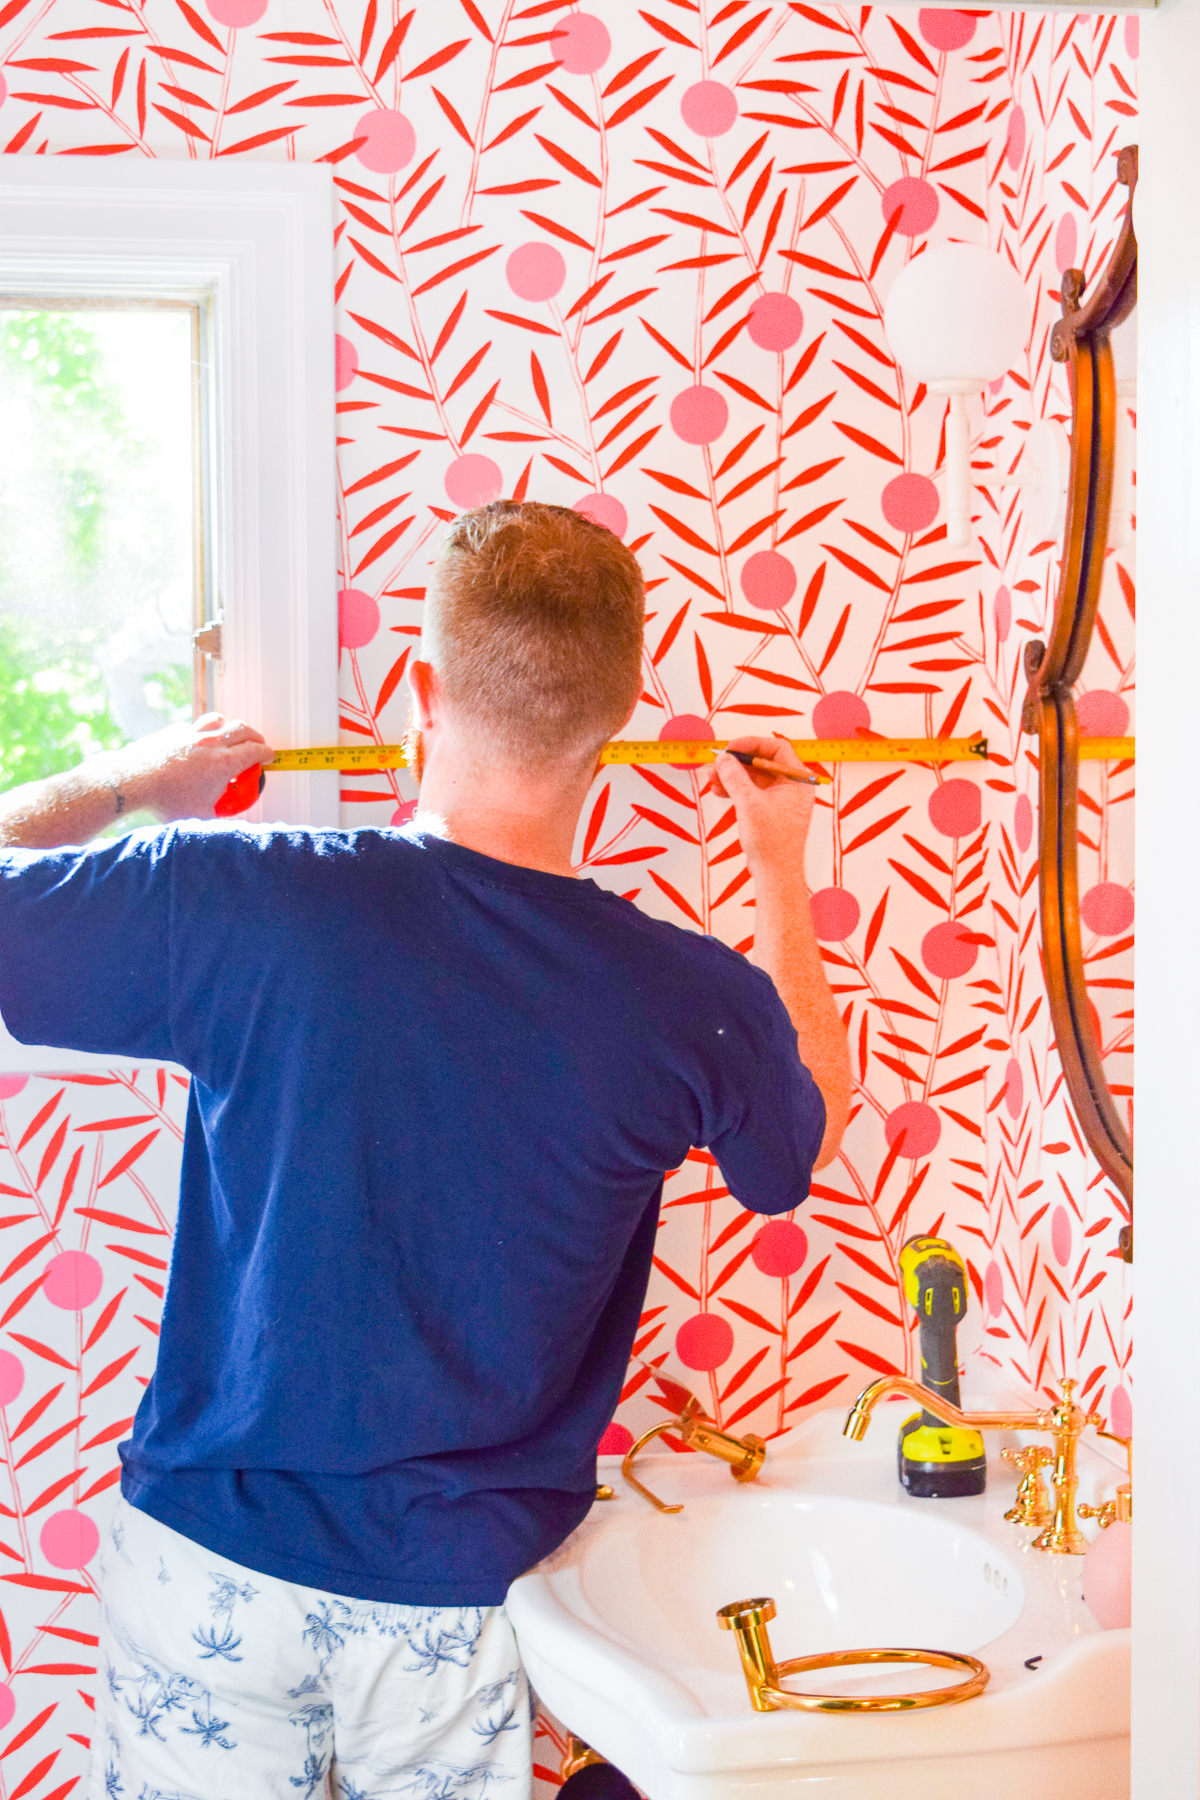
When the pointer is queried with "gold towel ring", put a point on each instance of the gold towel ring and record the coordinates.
(748, 1618)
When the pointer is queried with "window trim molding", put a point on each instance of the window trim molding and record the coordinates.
(256, 241)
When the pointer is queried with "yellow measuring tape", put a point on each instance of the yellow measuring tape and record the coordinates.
(628, 750)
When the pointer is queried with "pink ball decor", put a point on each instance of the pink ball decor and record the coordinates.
(704, 1341)
(12, 1377)
(955, 808)
(236, 13)
(403, 813)
(686, 728)
(1101, 713)
(1107, 909)
(917, 1124)
(947, 950)
(775, 322)
(1106, 1577)
(358, 618)
(8, 1704)
(1014, 1089)
(1132, 45)
(943, 29)
(69, 1540)
(1014, 139)
(72, 1280)
(391, 141)
(699, 415)
(1066, 243)
(345, 362)
(780, 1248)
(1023, 822)
(617, 1439)
(1002, 614)
(11, 1085)
(472, 481)
(1120, 1413)
(916, 202)
(604, 509)
(709, 108)
(910, 503)
(993, 1290)
(835, 914)
(535, 271)
(768, 580)
(580, 43)
(1060, 1236)
(840, 715)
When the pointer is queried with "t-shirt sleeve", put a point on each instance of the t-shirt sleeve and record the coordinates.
(766, 1156)
(85, 946)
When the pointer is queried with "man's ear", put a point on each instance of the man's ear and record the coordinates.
(426, 692)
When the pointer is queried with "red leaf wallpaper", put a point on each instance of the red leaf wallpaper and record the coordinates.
(635, 261)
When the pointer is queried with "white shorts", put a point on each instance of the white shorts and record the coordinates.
(217, 1683)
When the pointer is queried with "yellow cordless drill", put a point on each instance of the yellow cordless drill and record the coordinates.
(938, 1461)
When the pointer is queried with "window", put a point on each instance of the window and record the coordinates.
(238, 260)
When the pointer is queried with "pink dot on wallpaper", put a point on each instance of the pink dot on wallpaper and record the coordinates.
(775, 322)
(835, 914)
(993, 1290)
(768, 580)
(391, 140)
(236, 12)
(945, 30)
(704, 1341)
(12, 1377)
(473, 481)
(535, 271)
(1132, 41)
(1060, 1236)
(920, 1126)
(72, 1280)
(580, 43)
(606, 510)
(686, 728)
(1066, 242)
(8, 1704)
(345, 362)
(1002, 613)
(699, 415)
(1014, 141)
(69, 1540)
(358, 618)
(1014, 1088)
(615, 1442)
(403, 813)
(909, 502)
(1120, 1408)
(709, 108)
(1101, 714)
(840, 715)
(3, 90)
(780, 1248)
(1107, 909)
(11, 1085)
(1023, 822)
(955, 808)
(947, 950)
(916, 202)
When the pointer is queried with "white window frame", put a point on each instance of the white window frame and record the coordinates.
(253, 243)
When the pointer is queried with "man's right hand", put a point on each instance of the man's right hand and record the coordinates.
(773, 816)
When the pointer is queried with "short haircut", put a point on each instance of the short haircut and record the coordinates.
(534, 620)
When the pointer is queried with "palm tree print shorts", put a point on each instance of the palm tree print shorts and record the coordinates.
(217, 1683)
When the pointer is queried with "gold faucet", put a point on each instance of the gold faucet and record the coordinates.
(744, 1455)
(1064, 1421)
(1119, 1509)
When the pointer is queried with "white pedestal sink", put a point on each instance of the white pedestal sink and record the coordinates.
(619, 1634)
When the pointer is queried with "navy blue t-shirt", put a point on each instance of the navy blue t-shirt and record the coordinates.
(433, 1099)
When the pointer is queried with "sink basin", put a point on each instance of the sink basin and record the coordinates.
(618, 1632)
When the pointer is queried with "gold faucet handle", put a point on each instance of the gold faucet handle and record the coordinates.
(1031, 1506)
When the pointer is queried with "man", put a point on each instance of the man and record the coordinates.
(436, 1083)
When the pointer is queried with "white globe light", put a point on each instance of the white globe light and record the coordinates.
(957, 315)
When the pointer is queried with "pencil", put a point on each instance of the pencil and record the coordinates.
(766, 767)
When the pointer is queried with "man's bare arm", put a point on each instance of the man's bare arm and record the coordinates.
(179, 773)
(773, 820)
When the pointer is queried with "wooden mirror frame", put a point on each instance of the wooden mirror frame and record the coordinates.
(1081, 339)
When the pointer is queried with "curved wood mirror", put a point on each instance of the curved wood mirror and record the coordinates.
(1081, 338)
